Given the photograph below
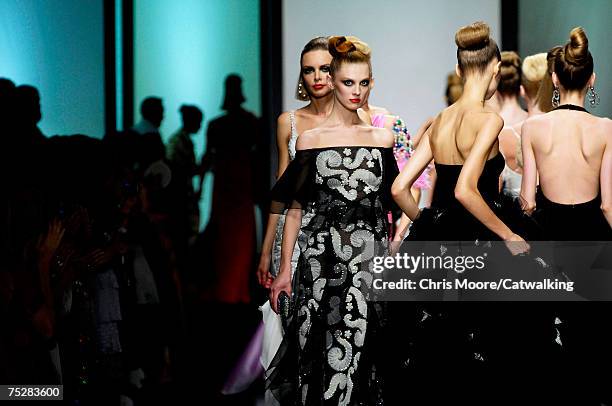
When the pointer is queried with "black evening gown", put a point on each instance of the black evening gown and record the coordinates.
(570, 222)
(586, 328)
(466, 351)
(330, 352)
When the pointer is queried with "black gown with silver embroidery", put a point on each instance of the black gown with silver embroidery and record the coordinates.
(329, 353)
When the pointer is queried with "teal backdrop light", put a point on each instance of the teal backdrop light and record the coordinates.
(58, 47)
(546, 23)
(182, 52)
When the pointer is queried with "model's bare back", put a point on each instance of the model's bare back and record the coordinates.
(510, 145)
(568, 147)
(454, 131)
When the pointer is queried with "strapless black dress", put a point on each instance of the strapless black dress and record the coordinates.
(473, 347)
(447, 219)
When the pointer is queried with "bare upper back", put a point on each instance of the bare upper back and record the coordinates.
(568, 147)
(454, 131)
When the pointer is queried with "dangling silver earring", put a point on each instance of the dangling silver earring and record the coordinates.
(556, 98)
(301, 91)
(593, 97)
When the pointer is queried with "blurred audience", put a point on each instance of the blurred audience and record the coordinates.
(89, 288)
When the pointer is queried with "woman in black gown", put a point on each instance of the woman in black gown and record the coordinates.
(467, 342)
(570, 151)
(342, 176)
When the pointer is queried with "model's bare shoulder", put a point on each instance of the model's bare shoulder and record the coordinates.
(283, 128)
(308, 139)
(486, 119)
(283, 118)
(534, 124)
(606, 125)
(383, 136)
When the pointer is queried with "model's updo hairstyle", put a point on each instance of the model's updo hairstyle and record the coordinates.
(510, 81)
(475, 48)
(348, 49)
(546, 87)
(315, 44)
(574, 63)
(533, 71)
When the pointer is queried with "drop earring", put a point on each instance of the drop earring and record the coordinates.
(556, 98)
(301, 92)
(593, 97)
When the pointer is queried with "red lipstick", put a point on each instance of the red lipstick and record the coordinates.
(355, 100)
(318, 86)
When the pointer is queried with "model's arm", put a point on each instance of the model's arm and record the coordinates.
(433, 179)
(606, 177)
(530, 171)
(411, 172)
(504, 150)
(466, 190)
(293, 221)
(421, 131)
(402, 228)
(283, 130)
(263, 269)
(283, 133)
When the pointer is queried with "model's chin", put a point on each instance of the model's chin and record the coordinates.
(351, 106)
(317, 94)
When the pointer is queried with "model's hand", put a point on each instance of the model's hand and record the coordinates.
(527, 207)
(263, 271)
(516, 244)
(281, 283)
(400, 234)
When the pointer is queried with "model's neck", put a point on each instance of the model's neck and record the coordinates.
(509, 105)
(575, 97)
(533, 108)
(322, 106)
(342, 116)
(474, 90)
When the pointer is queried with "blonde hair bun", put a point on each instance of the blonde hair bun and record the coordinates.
(535, 67)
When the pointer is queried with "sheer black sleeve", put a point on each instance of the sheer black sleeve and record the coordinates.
(296, 187)
(390, 172)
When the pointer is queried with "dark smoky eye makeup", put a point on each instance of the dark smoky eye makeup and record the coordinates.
(347, 82)
(365, 82)
(307, 69)
(325, 68)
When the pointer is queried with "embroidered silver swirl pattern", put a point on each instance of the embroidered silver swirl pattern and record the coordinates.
(330, 276)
